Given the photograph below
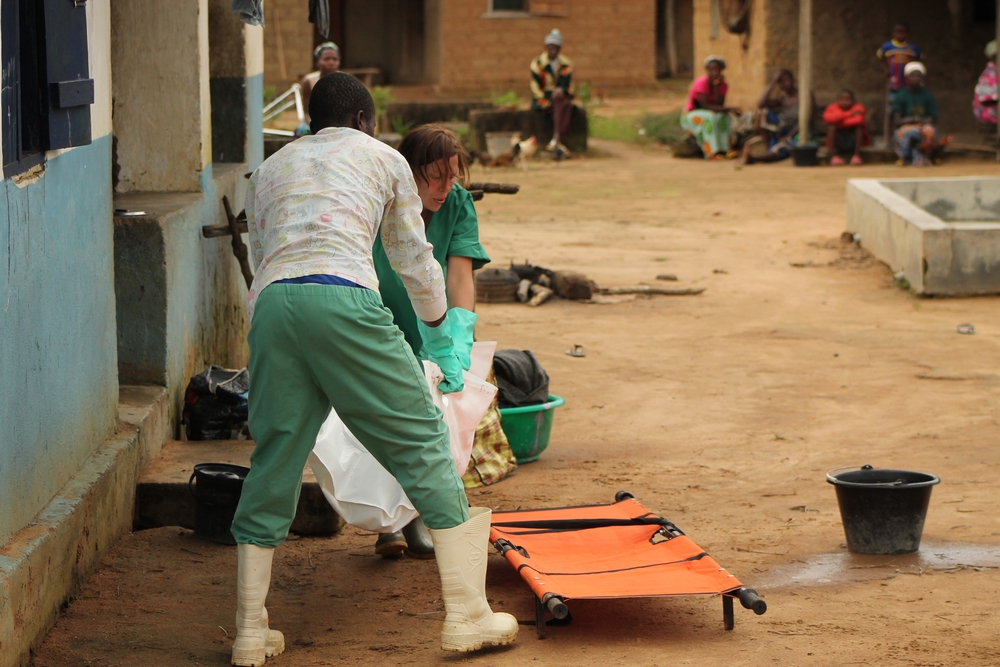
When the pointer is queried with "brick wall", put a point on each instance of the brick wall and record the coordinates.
(611, 42)
(289, 18)
(747, 70)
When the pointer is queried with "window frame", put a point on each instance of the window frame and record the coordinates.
(11, 38)
(525, 13)
(52, 66)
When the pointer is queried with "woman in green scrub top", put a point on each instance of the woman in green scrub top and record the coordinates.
(438, 161)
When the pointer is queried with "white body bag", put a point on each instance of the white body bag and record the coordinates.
(360, 490)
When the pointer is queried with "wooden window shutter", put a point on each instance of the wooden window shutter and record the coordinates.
(67, 69)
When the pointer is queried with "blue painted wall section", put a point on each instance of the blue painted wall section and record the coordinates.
(181, 297)
(255, 122)
(58, 379)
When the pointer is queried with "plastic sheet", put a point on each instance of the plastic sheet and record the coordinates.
(360, 490)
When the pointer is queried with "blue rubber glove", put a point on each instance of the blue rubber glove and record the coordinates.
(440, 348)
(463, 326)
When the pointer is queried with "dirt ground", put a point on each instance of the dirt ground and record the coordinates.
(721, 411)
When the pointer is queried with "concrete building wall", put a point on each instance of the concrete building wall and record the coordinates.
(747, 70)
(846, 35)
(611, 42)
(58, 377)
(181, 297)
(386, 34)
(848, 32)
(235, 84)
(161, 95)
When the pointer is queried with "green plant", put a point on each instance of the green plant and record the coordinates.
(584, 94)
(510, 98)
(613, 128)
(464, 135)
(402, 127)
(382, 97)
(662, 128)
(270, 92)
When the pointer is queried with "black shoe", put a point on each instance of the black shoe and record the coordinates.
(390, 545)
(418, 541)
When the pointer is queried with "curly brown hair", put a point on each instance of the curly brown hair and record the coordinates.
(425, 145)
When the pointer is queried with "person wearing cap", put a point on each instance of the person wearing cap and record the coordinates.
(984, 100)
(914, 112)
(552, 88)
(706, 115)
(326, 57)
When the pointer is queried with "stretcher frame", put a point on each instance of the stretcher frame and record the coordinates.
(552, 602)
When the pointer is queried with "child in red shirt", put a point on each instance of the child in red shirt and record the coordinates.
(846, 130)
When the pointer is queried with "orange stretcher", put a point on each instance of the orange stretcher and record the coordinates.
(609, 551)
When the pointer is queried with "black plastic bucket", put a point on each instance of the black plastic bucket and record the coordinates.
(216, 495)
(804, 155)
(883, 510)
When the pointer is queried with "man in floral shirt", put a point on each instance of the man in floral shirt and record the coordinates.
(320, 337)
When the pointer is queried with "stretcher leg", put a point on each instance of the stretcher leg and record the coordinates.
(555, 605)
(728, 618)
(540, 611)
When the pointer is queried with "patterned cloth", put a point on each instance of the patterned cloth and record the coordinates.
(543, 82)
(454, 232)
(492, 458)
(916, 144)
(984, 101)
(316, 206)
(710, 128)
(897, 54)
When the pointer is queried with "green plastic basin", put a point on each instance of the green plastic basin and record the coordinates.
(528, 428)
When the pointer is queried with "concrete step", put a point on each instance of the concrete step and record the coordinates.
(164, 499)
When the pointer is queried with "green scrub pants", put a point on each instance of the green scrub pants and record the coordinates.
(317, 346)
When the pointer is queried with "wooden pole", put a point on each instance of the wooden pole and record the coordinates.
(671, 29)
(282, 69)
(805, 68)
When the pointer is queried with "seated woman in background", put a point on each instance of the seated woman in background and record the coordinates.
(846, 129)
(914, 112)
(706, 115)
(984, 101)
(327, 60)
(438, 160)
(778, 119)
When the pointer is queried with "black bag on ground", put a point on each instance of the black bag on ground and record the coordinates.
(521, 380)
(215, 404)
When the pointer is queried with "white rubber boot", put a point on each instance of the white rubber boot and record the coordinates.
(255, 642)
(469, 623)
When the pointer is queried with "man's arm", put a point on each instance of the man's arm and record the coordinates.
(537, 88)
(408, 251)
(250, 204)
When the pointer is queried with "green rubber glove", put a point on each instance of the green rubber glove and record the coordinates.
(440, 348)
(463, 326)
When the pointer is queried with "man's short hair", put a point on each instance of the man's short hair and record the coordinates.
(335, 99)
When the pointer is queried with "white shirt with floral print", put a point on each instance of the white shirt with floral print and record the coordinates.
(315, 207)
